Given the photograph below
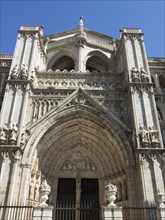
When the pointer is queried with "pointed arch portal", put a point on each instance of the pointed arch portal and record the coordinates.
(80, 144)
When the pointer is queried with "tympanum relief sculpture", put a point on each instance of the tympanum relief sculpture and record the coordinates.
(79, 161)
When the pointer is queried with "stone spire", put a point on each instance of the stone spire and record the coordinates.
(81, 35)
(81, 23)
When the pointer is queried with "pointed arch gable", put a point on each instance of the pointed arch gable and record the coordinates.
(63, 122)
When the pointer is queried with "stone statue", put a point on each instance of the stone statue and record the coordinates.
(153, 134)
(3, 134)
(135, 74)
(13, 130)
(144, 76)
(110, 192)
(15, 72)
(143, 135)
(24, 72)
(160, 198)
(44, 192)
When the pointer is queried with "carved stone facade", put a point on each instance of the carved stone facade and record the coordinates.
(81, 105)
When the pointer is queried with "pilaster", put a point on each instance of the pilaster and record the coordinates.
(42, 213)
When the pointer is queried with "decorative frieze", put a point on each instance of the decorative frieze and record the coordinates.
(86, 82)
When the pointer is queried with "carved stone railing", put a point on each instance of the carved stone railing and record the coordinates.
(6, 56)
(73, 80)
(132, 30)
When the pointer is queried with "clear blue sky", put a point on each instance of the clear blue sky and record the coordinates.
(106, 17)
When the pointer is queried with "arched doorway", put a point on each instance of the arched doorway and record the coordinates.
(80, 146)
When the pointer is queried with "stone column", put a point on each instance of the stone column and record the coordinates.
(24, 185)
(80, 60)
(78, 196)
(5, 177)
(13, 188)
(146, 178)
(157, 84)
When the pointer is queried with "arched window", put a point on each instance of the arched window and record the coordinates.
(162, 81)
(97, 61)
(63, 63)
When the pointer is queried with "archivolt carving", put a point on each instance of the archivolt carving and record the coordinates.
(35, 180)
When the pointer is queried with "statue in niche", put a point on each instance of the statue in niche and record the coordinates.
(135, 74)
(15, 72)
(13, 129)
(24, 72)
(3, 134)
(144, 76)
(153, 134)
(143, 136)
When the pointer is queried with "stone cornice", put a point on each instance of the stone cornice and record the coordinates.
(156, 62)
(6, 56)
(5, 60)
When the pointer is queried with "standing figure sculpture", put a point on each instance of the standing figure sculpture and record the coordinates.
(143, 136)
(144, 76)
(3, 134)
(13, 130)
(15, 72)
(24, 72)
(153, 134)
(135, 74)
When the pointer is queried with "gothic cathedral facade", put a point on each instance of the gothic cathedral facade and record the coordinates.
(81, 109)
